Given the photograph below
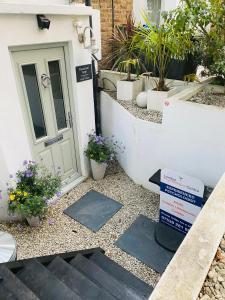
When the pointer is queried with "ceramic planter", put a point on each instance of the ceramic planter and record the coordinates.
(156, 99)
(128, 90)
(34, 221)
(98, 169)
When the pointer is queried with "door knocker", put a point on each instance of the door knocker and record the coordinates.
(45, 80)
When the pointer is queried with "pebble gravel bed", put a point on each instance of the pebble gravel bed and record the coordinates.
(138, 112)
(209, 98)
(59, 233)
(214, 285)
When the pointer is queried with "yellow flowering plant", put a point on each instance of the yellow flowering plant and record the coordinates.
(31, 190)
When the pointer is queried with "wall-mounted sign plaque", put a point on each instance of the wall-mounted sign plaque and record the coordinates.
(84, 73)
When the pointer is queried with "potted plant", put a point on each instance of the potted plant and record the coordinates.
(100, 152)
(125, 59)
(128, 88)
(160, 44)
(30, 191)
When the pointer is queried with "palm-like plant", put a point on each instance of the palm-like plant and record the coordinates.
(124, 56)
(160, 44)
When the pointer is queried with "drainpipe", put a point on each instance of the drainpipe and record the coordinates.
(96, 90)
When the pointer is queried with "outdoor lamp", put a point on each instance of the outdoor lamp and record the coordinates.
(82, 37)
(43, 22)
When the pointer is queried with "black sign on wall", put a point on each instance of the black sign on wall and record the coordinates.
(84, 73)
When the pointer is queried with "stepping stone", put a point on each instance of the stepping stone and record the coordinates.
(93, 210)
(139, 241)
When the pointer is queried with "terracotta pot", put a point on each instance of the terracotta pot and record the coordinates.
(98, 169)
(34, 221)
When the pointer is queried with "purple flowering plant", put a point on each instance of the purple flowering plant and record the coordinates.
(101, 149)
(31, 187)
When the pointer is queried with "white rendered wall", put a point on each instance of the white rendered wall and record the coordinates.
(37, 1)
(141, 6)
(23, 30)
(190, 140)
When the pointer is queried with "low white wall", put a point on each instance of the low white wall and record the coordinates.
(189, 140)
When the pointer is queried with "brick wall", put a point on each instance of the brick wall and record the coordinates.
(122, 9)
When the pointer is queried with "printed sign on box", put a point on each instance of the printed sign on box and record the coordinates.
(180, 200)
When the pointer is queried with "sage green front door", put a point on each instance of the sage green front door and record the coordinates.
(43, 87)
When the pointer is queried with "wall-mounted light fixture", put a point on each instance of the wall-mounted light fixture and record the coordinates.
(43, 22)
(82, 37)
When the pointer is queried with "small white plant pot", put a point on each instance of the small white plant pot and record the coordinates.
(98, 170)
(128, 90)
(34, 221)
(142, 100)
(156, 99)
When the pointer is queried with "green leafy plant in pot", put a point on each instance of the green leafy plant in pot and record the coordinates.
(101, 150)
(125, 59)
(159, 44)
(30, 191)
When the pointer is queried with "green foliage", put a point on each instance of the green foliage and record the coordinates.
(205, 21)
(32, 206)
(162, 43)
(124, 56)
(99, 149)
(32, 188)
(126, 66)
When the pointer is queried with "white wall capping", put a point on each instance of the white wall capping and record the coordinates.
(50, 9)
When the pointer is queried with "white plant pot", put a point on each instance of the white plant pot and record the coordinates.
(98, 170)
(156, 99)
(128, 90)
(34, 221)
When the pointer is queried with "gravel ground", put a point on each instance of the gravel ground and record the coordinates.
(214, 285)
(59, 233)
(138, 112)
(209, 98)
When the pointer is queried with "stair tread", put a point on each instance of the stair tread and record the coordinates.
(121, 274)
(77, 281)
(44, 284)
(104, 279)
(12, 288)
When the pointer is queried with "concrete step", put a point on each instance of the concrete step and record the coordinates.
(45, 284)
(121, 274)
(12, 288)
(77, 281)
(103, 279)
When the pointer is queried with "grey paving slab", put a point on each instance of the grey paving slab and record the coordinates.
(139, 241)
(93, 210)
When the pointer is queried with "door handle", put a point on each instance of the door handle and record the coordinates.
(54, 140)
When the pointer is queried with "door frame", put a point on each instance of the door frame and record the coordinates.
(69, 86)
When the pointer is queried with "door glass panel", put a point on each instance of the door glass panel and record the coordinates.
(56, 84)
(33, 94)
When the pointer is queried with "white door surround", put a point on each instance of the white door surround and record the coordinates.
(42, 82)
